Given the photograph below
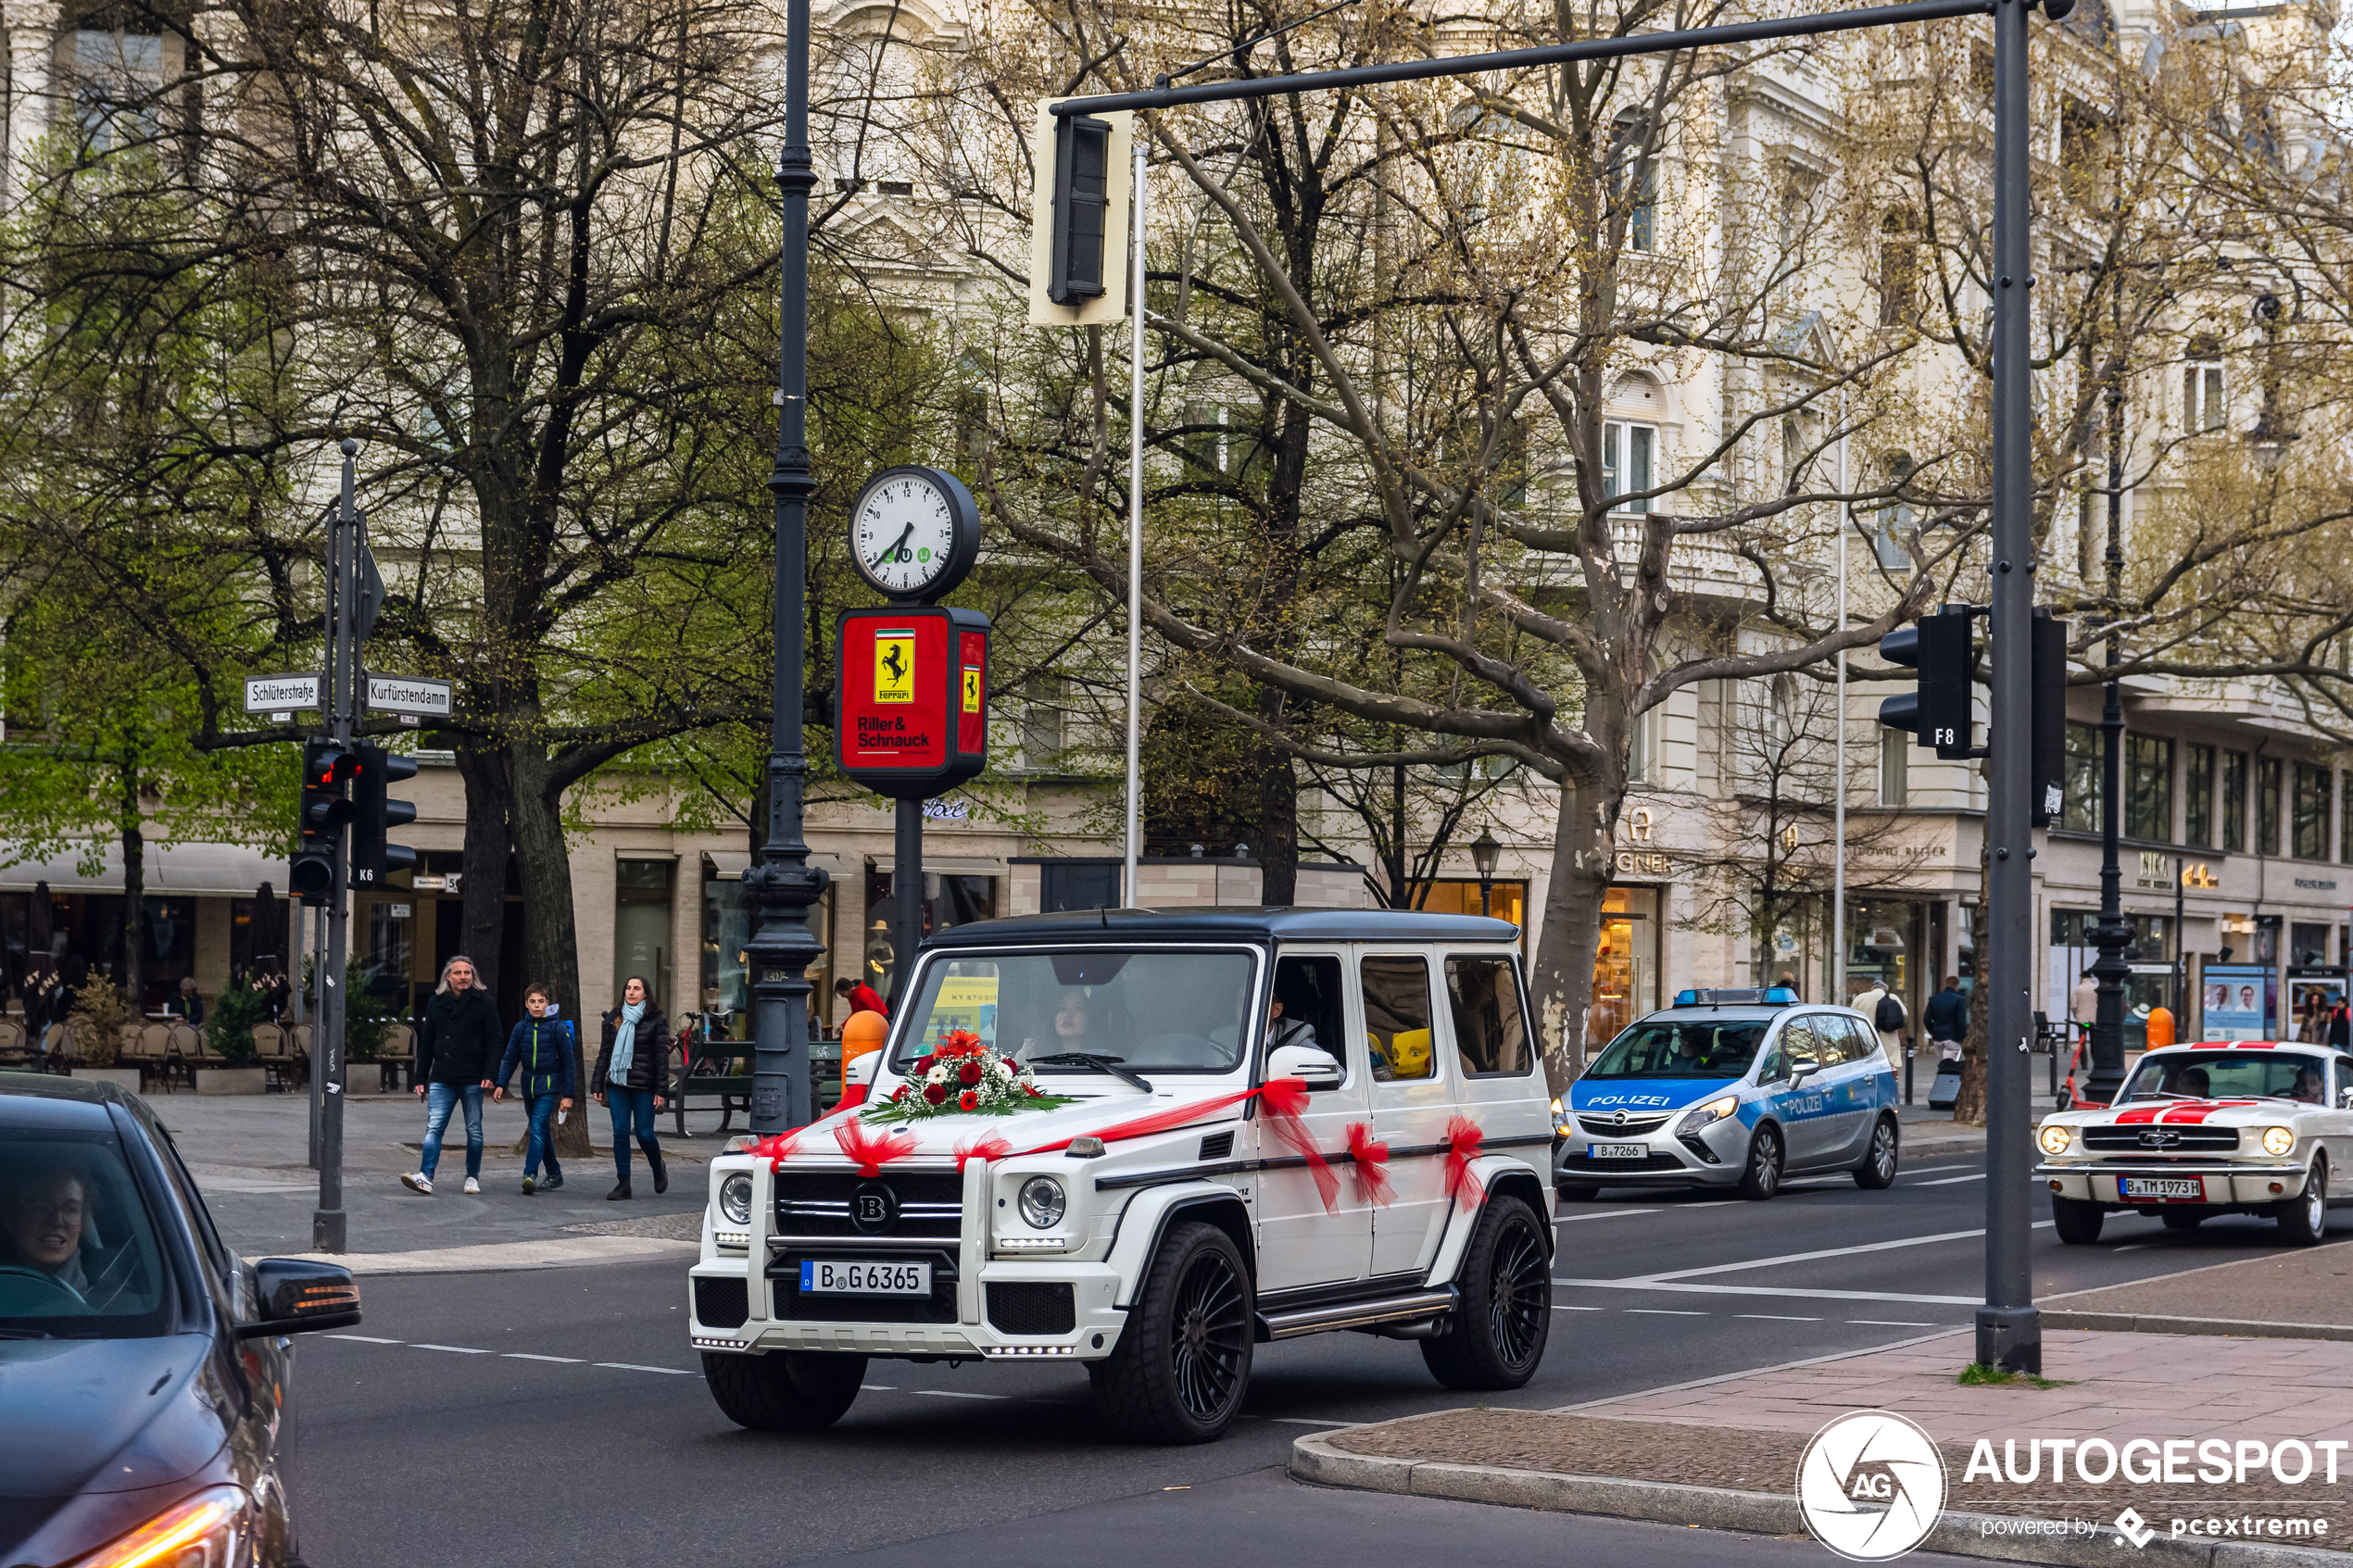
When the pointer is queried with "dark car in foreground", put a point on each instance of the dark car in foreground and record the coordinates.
(143, 1366)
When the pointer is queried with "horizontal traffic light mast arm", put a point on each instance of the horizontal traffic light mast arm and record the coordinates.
(1519, 59)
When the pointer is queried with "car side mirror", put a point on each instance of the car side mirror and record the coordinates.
(298, 1295)
(2344, 1099)
(861, 1069)
(1312, 1065)
(1802, 1068)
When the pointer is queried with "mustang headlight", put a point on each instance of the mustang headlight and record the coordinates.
(734, 1198)
(2279, 1140)
(1707, 1114)
(2055, 1139)
(1042, 1203)
(208, 1530)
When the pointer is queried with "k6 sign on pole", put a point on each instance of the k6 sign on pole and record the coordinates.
(910, 708)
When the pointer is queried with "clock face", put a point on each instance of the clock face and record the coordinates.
(905, 533)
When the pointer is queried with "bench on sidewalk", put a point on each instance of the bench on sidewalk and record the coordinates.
(719, 1071)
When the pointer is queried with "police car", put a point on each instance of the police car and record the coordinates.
(1734, 1089)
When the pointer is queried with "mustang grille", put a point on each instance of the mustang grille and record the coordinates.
(2160, 1140)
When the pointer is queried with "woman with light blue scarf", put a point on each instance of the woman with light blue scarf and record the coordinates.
(632, 1080)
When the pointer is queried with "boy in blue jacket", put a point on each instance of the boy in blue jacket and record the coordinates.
(543, 1046)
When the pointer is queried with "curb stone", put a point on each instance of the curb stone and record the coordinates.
(1316, 1460)
(2149, 1322)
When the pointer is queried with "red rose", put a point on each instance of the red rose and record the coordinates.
(971, 1073)
(968, 1100)
(922, 1065)
(936, 1093)
(899, 1093)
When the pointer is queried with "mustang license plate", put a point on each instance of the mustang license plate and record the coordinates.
(823, 1276)
(2163, 1186)
(1617, 1150)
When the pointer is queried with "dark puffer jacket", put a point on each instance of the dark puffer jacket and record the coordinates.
(461, 1040)
(650, 1057)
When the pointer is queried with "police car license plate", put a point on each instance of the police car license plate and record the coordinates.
(1617, 1150)
(822, 1277)
(2163, 1186)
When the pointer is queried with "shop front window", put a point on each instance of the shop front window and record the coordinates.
(1880, 941)
(948, 899)
(1459, 896)
(384, 960)
(1626, 963)
(642, 944)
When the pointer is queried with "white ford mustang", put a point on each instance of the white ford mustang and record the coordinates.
(2224, 1127)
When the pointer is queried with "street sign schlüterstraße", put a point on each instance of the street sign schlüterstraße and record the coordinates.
(281, 694)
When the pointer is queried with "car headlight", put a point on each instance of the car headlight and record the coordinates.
(734, 1198)
(1707, 1114)
(2054, 1139)
(2279, 1140)
(204, 1531)
(1042, 1203)
(1560, 1116)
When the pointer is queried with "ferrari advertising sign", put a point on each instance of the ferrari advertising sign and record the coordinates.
(911, 703)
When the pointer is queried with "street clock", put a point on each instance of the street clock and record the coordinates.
(914, 532)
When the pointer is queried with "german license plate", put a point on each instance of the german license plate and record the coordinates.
(2173, 1187)
(1617, 1150)
(823, 1276)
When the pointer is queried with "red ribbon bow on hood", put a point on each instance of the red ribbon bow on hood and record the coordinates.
(1372, 1164)
(1463, 1138)
(985, 1148)
(869, 1153)
(773, 1147)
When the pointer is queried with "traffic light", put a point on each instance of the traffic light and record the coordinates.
(375, 812)
(1082, 204)
(1937, 714)
(2050, 716)
(326, 805)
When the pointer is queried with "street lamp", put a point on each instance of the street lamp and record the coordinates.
(1485, 852)
(2267, 443)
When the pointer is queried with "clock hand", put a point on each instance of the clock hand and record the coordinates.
(892, 553)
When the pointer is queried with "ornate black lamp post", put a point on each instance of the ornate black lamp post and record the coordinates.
(783, 885)
(1485, 852)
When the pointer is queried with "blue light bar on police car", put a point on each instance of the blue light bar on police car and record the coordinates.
(1777, 995)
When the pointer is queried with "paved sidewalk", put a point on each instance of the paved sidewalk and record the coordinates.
(2309, 1290)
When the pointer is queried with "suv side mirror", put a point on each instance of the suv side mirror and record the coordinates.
(1802, 1068)
(298, 1295)
(1312, 1065)
(860, 1069)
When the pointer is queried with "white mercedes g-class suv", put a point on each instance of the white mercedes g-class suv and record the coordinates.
(1150, 1142)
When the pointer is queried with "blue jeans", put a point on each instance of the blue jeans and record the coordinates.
(627, 1106)
(543, 1115)
(440, 1100)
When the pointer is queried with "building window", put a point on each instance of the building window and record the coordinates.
(2267, 804)
(1041, 724)
(2311, 822)
(119, 75)
(1642, 747)
(2148, 787)
(2081, 810)
(2198, 796)
(1629, 458)
(1892, 521)
(1894, 767)
(2202, 405)
(2235, 802)
(1899, 267)
(1634, 179)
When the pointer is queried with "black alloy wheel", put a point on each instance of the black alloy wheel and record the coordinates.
(1212, 1343)
(1181, 1368)
(1762, 1176)
(784, 1390)
(1877, 1170)
(1498, 1333)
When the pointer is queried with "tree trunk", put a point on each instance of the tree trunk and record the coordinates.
(1563, 976)
(550, 938)
(1968, 1102)
(482, 884)
(133, 978)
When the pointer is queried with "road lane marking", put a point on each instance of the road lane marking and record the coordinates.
(1715, 1203)
(1930, 1170)
(958, 1394)
(1825, 1252)
(527, 1356)
(1773, 1317)
(632, 1366)
(1609, 1214)
(1889, 1323)
(1792, 1292)
(1948, 1181)
(363, 1338)
(1664, 1312)
(878, 1388)
(1558, 1308)
(454, 1350)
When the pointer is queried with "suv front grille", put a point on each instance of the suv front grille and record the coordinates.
(1634, 1126)
(722, 1303)
(1032, 1307)
(929, 1203)
(2160, 1140)
(783, 1277)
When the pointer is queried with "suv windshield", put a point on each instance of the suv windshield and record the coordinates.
(1682, 1048)
(2228, 1076)
(78, 1254)
(1153, 1012)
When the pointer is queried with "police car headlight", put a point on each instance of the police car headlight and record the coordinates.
(1042, 1203)
(1560, 1117)
(1708, 1115)
(2279, 1140)
(734, 1198)
(2054, 1139)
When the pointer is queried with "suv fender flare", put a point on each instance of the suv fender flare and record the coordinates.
(1148, 1214)
(1498, 1173)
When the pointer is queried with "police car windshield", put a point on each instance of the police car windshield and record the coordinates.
(1682, 1048)
(2228, 1076)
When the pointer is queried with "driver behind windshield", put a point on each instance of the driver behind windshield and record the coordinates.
(42, 1208)
(2308, 1085)
(2192, 1082)
(1073, 1025)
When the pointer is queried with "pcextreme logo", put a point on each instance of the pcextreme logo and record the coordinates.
(1870, 1486)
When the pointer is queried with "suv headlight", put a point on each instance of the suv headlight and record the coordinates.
(2054, 1139)
(1707, 1115)
(2279, 1140)
(204, 1531)
(734, 1198)
(1042, 1203)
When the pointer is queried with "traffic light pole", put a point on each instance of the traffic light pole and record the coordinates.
(2010, 1330)
(344, 696)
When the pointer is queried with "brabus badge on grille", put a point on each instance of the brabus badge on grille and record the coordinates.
(873, 1207)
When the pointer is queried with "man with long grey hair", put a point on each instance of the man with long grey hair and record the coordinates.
(458, 1046)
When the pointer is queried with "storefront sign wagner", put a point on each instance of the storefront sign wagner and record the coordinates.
(911, 703)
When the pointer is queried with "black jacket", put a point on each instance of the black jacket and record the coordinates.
(461, 1040)
(649, 1061)
(1947, 1016)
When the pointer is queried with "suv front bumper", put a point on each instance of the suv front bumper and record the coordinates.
(987, 1324)
(2223, 1181)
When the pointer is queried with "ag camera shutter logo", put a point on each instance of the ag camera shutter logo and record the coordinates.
(1870, 1486)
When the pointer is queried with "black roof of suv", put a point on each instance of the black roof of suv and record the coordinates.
(1227, 923)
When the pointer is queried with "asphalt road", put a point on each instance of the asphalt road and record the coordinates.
(558, 1414)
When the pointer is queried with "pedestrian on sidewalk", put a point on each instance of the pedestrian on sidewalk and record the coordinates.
(1946, 1018)
(632, 1080)
(456, 1048)
(861, 996)
(1885, 1010)
(543, 1046)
